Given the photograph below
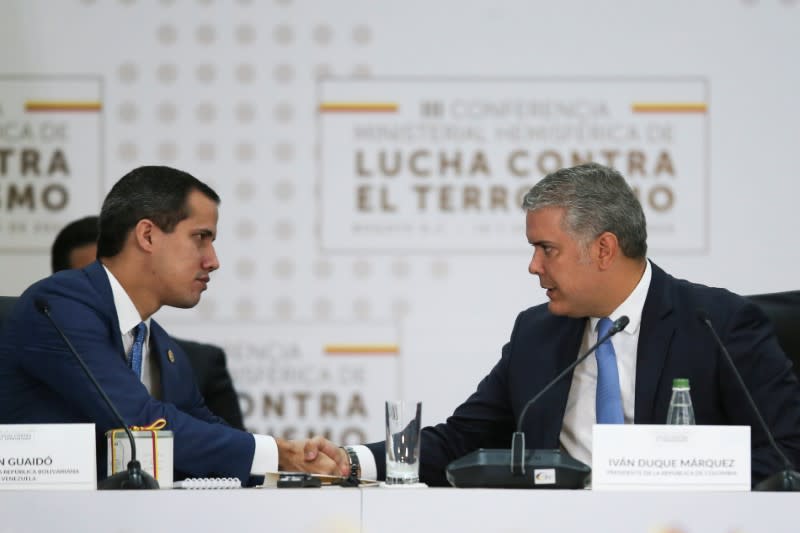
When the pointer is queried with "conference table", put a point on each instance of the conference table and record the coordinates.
(388, 510)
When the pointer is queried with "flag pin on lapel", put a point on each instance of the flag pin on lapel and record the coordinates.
(170, 356)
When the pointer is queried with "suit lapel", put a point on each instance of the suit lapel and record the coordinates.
(655, 337)
(557, 350)
(568, 351)
(98, 278)
(163, 352)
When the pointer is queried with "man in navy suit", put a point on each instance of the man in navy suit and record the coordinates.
(156, 248)
(75, 246)
(589, 240)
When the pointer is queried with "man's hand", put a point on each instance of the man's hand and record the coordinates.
(316, 455)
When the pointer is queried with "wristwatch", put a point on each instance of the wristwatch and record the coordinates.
(355, 464)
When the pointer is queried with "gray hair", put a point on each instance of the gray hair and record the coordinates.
(596, 199)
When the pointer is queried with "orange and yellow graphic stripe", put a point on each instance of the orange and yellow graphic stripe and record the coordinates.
(669, 107)
(358, 107)
(59, 106)
(361, 349)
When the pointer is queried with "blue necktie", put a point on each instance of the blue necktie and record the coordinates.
(140, 332)
(608, 399)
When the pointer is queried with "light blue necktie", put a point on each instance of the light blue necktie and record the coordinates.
(608, 399)
(138, 346)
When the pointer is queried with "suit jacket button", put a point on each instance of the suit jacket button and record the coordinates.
(170, 356)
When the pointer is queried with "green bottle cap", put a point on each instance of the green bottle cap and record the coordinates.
(680, 383)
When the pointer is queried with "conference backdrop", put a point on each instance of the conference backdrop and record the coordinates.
(371, 158)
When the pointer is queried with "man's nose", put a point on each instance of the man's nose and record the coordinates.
(535, 266)
(211, 260)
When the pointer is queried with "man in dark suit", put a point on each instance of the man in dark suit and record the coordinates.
(589, 237)
(75, 246)
(157, 229)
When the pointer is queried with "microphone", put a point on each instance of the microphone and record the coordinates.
(506, 468)
(785, 480)
(134, 478)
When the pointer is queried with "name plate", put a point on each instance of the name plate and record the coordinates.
(642, 457)
(48, 456)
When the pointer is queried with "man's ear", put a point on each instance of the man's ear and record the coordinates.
(607, 249)
(143, 234)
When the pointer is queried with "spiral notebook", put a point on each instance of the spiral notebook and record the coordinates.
(210, 483)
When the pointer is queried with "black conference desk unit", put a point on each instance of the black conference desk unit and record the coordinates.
(390, 510)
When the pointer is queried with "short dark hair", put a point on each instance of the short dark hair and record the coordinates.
(596, 199)
(74, 235)
(157, 193)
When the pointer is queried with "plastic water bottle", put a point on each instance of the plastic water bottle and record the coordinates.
(680, 406)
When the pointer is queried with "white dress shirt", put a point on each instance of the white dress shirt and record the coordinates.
(265, 458)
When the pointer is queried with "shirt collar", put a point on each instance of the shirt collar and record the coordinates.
(633, 305)
(127, 315)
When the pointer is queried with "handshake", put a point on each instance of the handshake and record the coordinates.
(316, 455)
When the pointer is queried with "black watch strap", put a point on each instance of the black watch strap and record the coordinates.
(355, 465)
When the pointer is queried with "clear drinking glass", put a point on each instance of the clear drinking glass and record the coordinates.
(403, 425)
